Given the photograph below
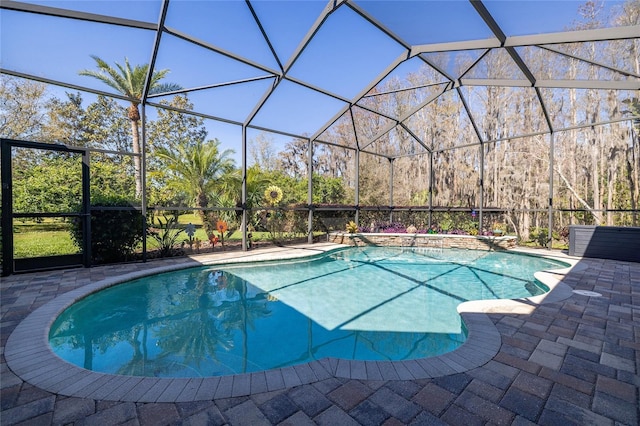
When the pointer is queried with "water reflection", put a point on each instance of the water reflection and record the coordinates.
(208, 323)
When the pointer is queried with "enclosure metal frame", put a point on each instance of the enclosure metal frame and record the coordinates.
(498, 41)
(8, 261)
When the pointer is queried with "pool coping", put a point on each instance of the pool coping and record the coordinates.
(30, 357)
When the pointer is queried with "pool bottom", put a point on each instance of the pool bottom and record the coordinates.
(184, 325)
(48, 372)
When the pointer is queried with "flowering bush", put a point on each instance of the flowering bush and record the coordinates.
(352, 228)
(399, 228)
(387, 228)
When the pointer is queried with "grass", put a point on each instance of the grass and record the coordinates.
(557, 245)
(52, 238)
(43, 243)
(48, 237)
(196, 220)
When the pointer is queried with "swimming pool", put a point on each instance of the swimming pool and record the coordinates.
(373, 303)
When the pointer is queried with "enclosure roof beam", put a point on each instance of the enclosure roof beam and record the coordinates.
(555, 84)
(500, 35)
(213, 48)
(337, 145)
(501, 82)
(277, 132)
(599, 123)
(600, 34)
(373, 21)
(592, 62)
(476, 129)
(225, 120)
(545, 111)
(353, 128)
(489, 21)
(377, 154)
(210, 86)
(366, 108)
(316, 89)
(540, 133)
(401, 58)
(331, 7)
(395, 91)
(194, 113)
(264, 35)
(590, 84)
(328, 10)
(63, 84)
(453, 46)
(413, 135)
(408, 114)
(73, 14)
(580, 36)
(154, 53)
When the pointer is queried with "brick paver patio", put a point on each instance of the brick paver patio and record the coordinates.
(570, 359)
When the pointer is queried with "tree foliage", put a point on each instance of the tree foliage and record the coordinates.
(53, 185)
(130, 81)
(21, 107)
(199, 168)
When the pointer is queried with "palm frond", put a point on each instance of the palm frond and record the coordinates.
(129, 80)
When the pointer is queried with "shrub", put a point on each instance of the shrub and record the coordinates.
(114, 233)
(539, 236)
(165, 234)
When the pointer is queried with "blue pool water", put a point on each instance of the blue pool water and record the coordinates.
(367, 303)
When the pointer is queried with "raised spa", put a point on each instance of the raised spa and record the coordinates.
(363, 303)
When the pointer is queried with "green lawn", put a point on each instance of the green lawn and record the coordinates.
(43, 243)
(50, 238)
(194, 218)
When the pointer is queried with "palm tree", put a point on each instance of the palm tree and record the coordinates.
(130, 82)
(257, 182)
(199, 169)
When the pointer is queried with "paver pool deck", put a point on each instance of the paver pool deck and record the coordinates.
(564, 358)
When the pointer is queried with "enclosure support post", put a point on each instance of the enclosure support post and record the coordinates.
(143, 178)
(391, 190)
(310, 192)
(481, 198)
(357, 187)
(430, 188)
(143, 101)
(7, 209)
(551, 158)
(243, 200)
(86, 209)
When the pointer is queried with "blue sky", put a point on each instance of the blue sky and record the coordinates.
(344, 56)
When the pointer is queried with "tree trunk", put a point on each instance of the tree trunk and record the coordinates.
(596, 215)
(610, 194)
(137, 159)
(632, 188)
(203, 202)
(595, 177)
